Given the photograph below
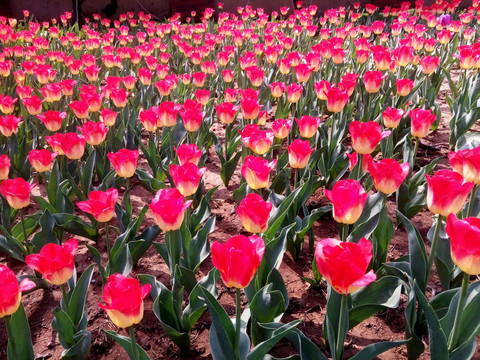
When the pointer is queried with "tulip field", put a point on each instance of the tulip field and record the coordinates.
(246, 185)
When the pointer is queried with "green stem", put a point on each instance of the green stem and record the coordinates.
(452, 341)
(344, 233)
(238, 313)
(25, 237)
(434, 246)
(11, 339)
(295, 178)
(342, 327)
(133, 342)
(65, 298)
(107, 240)
(388, 145)
(415, 150)
(472, 201)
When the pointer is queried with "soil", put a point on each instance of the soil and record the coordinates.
(306, 302)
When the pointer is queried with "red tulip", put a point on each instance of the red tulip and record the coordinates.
(119, 97)
(421, 122)
(404, 86)
(299, 153)
(108, 117)
(348, 198)
(145, 76)
(11, 293)
(192, 115)
(294, 92)
(465, 243)
(254, 213)
(250, 108)
(33, 105)
(94, 133)
(388, 174)
(308, 126)
(54, 262)
(73, 145)
(373, 81)
(101, 204)
(366, 136)
(321, 89)
(9, 125)
(281, 128)
(344, 264)
(41, 160)
(124, 297)
(168, 209)
(52, 119)
(124, 161)
(277, 89)
(353, 158)
(429, 64)
(303, 72)
(392, 117)
(4, 166)
(336, 99)
(466, 163)
(80, 108)
(7, 104)
(238, 259)
(255, 75)
(257, 140)
(17, 192)
(447, 192)
(186, 177)
(256, 171)
(226, 112)
(188, 154)
(202, 96)
(231, 95)
(167, 113)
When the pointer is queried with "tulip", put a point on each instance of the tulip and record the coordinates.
(447, 192)
(466, 163)
(404, 86)
(186, 177)
(366, 136)
(80, 108)
(41, 160)
(168, 209)
(54, 262)
(281, 128)
(336, 99)
(373, 81)
(52, 119)
(344, 264)
(11, 291)
(250, 108)
(429, 64)
(256, 171)
(353, 158)
(294, 92)
(202, 96)
(277, 89)
(257, 140)
(94, 133)
(308, 126)
(421, 122)
(167, 113)
(149, 119)
(254, 213)
(299, 152)
(322, 88)
(192, 115)
(72, 145)
(238, 259)
(101, 204)
(226, 112)
(392, 117)
(124, 298)
(108, 117)
(124, 161)
(388, 174)
(303, 72)
(119, 97)
(33, 105)
(348, 198)
(188, 154)
(9, 125)
(4, 166)
(465, 243)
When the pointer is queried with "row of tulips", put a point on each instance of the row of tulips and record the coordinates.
(304, 101)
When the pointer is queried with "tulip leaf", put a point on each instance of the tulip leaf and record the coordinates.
(87, 173)
(368, 221)
(443, 260)
(382, 235)
(79, 351)
(465, 351)
(47, 234)
(373, 350)
(79, 296)
(75, 225)
(202, 212)
(267, 304)
(65, 328)
(149, 182)
(12, 248)
(21, 337)
(126, 343)
(279, 212)
(228, 168)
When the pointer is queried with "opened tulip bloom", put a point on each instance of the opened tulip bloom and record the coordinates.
(186, 177)
(124, 161)
(336, 99)
(388, 174)
(366, 136)
(348, 198)
(188, 153)
(238, 259)
(254, 213)
(101, 204)
(94, 132)
(344, 264)
(465, 243)
(52, 119)
(256, 171)
(124, 300)
(17, 192)
(392, 117)
(299, 152)
(41, 160)
(259, 141)
(11, 293)
(168, 208)
(9, 125)
(447, 192)
(54, 262)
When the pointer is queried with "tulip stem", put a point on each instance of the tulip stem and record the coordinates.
(22, 220)
(238, 313)
(107, 240)
(11, 339)
(452, 340)
(433, 248)
(133, 343)
(472, 201)
(65, 298)
(344, 233)
(342, 327)
(415, 150)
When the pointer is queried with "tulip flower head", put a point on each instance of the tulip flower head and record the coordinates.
(17, 192)
(348, 198)
(254, 213)
(188, 154)
(308, 126)
(54, 262)
(11, 293)
(344, 264)
(52, 119)
(124, 161)
(41, 160)
(124, 300)
(4, 166)
(299, 152)
(373, 81)
(336, 99)
(388, 174)
(101, 204)
(259, 141)
(464, 243)
(366, 136)
(72, 145)
(281, 128)
(422, 120)
(186, 177)
(467, 163)
(192, 115)
(94, 132)
(238, 259)
(9, 125)
(256, 171)
(404, 86)
(168, 207)
(392, 117)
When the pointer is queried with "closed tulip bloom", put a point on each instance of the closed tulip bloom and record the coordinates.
(73, 145)
(80, 108)
(52, 119)
(250, 108)
(108, 117)
(55, 142)
(447, 192)
(465, 243)
(336, 99)
(348, 198)
(259, 141)
(167, 113)
(299, 152)
(124, 161)
(281, 128)
(41, 160)
(119, 97)
(124, 298)
(404, 86)
(388, 174)
(168, 208)
(4, 166)
(308, 126)
(276, 88)
(192, 115)
(188, 154)
(202, 96)
(373, 81)
(429, 64)
(294, 92)
(33, 105)
(422, 120)
(321, 89)
(11, 293)
(54, 262)
(344, 264)
(466, 163)
(226, 112)
(9, 125)
(303, 72)
(101, 204)
(256, 171)
(366, 136)
(94, 132)
(186, 177)
(149, 119)
(238, 259)
(254, 213)
(17, 192)
(392, 117)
